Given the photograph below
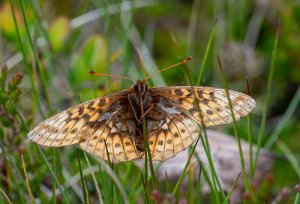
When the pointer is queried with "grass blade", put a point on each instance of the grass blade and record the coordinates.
(94, 179)
(205, 144)
(244, 173)
(167, 182)
(198, 188)
(267, 98)
(210, 40)
(185, 168)
(149, 154)
(6, 198)
(27, 181)
(115, 179)
(250, 136)
(82, 178)
(297, 199)
(216, 184)
(211, 184)
(52, 173)
(145, 188)
(23, 123)
(11, 174)
(27, 65)
(36, 57)
(291, 157)
(53, 180)
(285, 119)
(191, 193)
(233, 186)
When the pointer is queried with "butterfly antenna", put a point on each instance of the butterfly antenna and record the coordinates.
(110, 75)
(166, 68)
(141, 61)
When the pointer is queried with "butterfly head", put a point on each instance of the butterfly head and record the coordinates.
(140, 87)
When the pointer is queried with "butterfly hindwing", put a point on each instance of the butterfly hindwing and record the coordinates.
(169, 130)
(115, 137)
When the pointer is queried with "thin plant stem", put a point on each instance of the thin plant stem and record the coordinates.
(185, 168)
(114, 178)
(208, 180)
(112, 168)
(21, 118)
(36, 57)
(6, 198)
(285, 119)
(145, 188)
(84, 192)
(191, 182)
(206, 148)
(250, 136)
(53, 180)
(39, 22)
(235, 129)
(10, 173)
(297, 198)
(198, 187)
(215, 180)
(233, 186)
(290, 156)
(27, 65)
(167, 182)
(149, 154)
(27, 181)
(202, 68)
(146, 163)
(267, 98)
(94, 179)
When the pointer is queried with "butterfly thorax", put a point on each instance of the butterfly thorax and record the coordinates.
(141, 101)
(140, 98)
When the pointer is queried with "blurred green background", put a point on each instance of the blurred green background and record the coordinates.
(45, 63)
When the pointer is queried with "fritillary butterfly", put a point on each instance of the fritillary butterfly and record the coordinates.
(173, 116)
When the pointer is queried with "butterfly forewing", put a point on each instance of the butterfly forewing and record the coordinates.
(77, 123)
(205, 105)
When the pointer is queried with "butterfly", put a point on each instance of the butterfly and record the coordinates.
(112, 126)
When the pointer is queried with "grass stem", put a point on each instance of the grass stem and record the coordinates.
(27, 181)
(267, 98)
(244, 173)
(36, 57)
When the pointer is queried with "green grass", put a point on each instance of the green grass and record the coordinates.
(122, 40)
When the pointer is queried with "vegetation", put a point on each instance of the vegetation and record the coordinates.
(47, 49)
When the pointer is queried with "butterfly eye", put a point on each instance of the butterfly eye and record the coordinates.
(134, 88)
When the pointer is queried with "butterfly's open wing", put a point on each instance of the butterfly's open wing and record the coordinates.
(169, 130)
(89, 124)
(209, 103)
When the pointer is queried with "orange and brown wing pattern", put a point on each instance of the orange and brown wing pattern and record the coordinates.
(209, 103)
(116, 137)
(169, 130)
(76, 123)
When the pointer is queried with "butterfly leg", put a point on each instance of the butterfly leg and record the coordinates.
(147, 111)
(131, 105)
